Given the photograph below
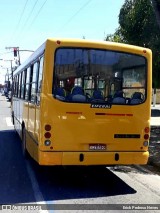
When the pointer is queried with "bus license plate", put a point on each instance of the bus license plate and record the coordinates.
(97, 146)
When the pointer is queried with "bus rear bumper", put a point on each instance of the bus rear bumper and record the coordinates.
(93, 158)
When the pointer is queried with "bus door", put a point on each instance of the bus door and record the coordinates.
(34, 105)
(32, 100)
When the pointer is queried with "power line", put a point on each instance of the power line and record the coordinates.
(34, 16)
(18, 24)
(5, 53)
(38, 13)
(81, 8)
(29, 16)
(22, 14)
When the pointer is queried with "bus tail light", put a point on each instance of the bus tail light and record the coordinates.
(146, 133)
(145, 143)
(147, 130)
(47, 127)
(146, 136)
(47, 135)
(47, 142)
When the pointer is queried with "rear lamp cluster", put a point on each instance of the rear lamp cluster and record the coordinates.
(146, 136)
(47, 135)
(145, 143)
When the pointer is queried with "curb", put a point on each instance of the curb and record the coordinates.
(153, 163)
(154, 158)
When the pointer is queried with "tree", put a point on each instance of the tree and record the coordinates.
(138, 27)
(116, 37)
(156, 7)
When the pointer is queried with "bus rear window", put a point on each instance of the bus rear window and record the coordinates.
(99, 76)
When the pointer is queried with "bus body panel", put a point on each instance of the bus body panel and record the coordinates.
(79, 130)
(92, 158)
(75, 129)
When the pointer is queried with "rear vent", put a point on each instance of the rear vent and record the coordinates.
(126, 136)
(81, 157)
(116, 157)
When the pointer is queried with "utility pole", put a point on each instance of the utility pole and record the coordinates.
(7, 84)
(11, 69)
(16, 53)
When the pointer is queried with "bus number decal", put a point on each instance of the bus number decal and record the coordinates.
(101, 106)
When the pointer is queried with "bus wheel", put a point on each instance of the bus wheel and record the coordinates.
(24, 150)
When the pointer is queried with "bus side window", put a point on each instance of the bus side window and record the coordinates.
(25, 76)
(15, 86)
(39, 85)
(27, 83)
(34, 82)
(19, 85)
(30, 83)
(22, 84)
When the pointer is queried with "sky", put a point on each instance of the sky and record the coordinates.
(28, 23)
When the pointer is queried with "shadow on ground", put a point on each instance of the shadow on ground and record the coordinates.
(79, 183)
(56, 183)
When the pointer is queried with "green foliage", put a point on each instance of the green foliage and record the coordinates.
(158, 3)
(138, 26)
(116, 37)
(136, 19)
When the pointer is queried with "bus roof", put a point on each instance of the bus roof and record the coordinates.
(32, 58)
(110, 45)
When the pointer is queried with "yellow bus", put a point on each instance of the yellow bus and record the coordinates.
(83, 102)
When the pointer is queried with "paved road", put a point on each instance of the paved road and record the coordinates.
(15, 184)
(23, 181)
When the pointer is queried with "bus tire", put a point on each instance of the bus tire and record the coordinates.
(24, 149)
